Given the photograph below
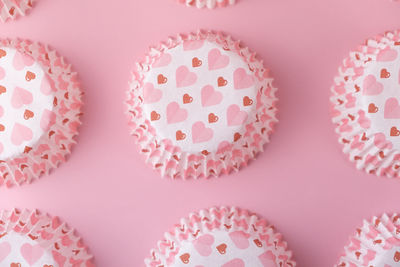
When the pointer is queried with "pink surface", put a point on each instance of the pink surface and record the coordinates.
(302, 183)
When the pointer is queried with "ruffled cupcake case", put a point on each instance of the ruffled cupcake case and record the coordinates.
(40, 102)
(366, 107)
(375, 244)
(226, 237)
(201, 105)
(29, 238)
(11, 9)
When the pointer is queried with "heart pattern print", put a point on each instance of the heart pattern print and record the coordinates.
(375, 244)
(33, 239)
(227, 237)
(366, 105)
(201, 105)
(40, 102)
(207, 3)
(11, 9)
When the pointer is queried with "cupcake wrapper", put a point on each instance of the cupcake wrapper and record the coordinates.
(369, 149)
(376, 243)
(11, 9)
(49, 235)
(207, 3)
(54, 145)
(198, 225)
(168, 159)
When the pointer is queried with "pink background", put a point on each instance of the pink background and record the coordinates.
(302, 183)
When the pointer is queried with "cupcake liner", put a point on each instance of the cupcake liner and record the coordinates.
(375, 244)
(221, 237)
(365, 105)
(210, 115)
(207, 3)
(11, 9)
(40, 103)
(33, 239)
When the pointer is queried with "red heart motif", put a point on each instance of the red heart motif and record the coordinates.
(247, 101)
(187, 99)
(212, 118)
(185, 258)
(394, 131)
(161, 79)
(30, 76)
(196, 62)
(236, 137)
(3, 53)
(154, 116)
(180, 135)
(28, 114)
(222, 248)
(222, 82)
(372, 108)
(2, 89)
(396, 256)
(2, 128)
(257, 242)
(385, 74)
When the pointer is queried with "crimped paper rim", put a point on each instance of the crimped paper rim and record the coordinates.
(207, 3)
(378, 235)
(386, 161)
(169, 160)
(50, 232)
(11, 10)
(218, 218)
(55, 145)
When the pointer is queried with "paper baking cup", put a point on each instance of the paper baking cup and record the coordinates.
(207, 3)
(375, 244)
(33, 239)
(40, 103)
(227, 237)
(366, 107)
(11, 9)
(201, 105)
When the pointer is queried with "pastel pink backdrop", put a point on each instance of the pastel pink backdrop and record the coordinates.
(302, 183)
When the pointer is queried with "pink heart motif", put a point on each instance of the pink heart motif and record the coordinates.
(210, 97)
(392, 109)
(268, 259)
(21, 97)
(371, 86)
(5, 250)
(175, 114)
(200, 133)
(184, 77)
(48, 119)
(234, 263)
(46, 86)
(203, 245)
(241, 79)
(240, 239)
(162, 61)
(235, 116)
(192, 45)
(216, 60)
(151, 94)
(21, 133)
(31, 253)
(20, 61)
(381, 142)
(2, 73)
(387, 55)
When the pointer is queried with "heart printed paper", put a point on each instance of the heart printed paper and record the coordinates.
(201, 105)
(375, 244)
(40, 102)
(32, 239)
(207, 3)
(11, 9)
(366, 107)
(226, 237)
